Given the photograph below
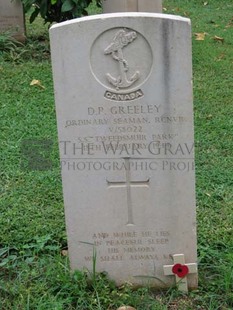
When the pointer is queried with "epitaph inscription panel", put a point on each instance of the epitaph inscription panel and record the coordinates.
(125, 123)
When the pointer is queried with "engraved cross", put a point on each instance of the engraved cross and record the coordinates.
(128, 184)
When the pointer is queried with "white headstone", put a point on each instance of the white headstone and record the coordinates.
(12, 18)
(123, 88)
(110, 6)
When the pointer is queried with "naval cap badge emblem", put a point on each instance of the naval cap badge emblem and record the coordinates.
(121, 40)
(121, 61)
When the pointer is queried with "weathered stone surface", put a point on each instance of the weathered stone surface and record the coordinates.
(12, 19)
(111, 6)
(125, 124)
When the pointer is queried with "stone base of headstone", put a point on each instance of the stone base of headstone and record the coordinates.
(111, 6)
(12, 19)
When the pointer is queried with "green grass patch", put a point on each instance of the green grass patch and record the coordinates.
(34, 272)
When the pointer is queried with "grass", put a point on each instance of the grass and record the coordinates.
(34, 269)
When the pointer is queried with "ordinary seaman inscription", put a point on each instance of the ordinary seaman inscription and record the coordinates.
(125, 125)
(127, 133)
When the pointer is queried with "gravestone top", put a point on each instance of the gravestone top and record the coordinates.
(12, 19)
(125, 125)
(121, 15)
(111, 6)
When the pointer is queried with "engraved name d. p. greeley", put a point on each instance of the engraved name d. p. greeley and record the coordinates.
(115, 49)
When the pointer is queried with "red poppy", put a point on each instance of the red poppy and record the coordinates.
(180, 270)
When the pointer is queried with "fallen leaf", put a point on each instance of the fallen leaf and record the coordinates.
(230, 24)
(126, 308)
(165, 9)
(64, 252)
(207, 194)
(37, 83)
(200, 36)
(206, 3)
(176, 10)
(221, 56)
(186, 14)
(219, 39)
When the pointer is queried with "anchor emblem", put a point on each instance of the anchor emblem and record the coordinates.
(115, 49)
